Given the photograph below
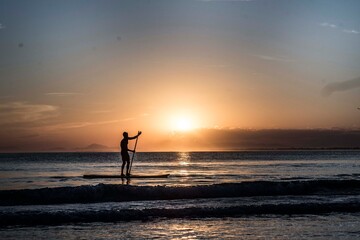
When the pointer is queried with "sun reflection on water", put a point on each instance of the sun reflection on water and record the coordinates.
(183, 172)
(184, 158)
(183, 162)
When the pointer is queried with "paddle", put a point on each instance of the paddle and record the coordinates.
(132, 159)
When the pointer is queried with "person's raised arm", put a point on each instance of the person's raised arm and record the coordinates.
(134, 137)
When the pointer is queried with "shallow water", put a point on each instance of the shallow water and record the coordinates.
(37, 170)
(336, 226)
(209, 195)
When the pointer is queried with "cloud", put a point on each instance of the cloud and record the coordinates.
(351, 31)
(101, 111)
(2, 26)
(62, 94)
(128, 119)
(270, 58)
(22, 112)
(217, 66)
(242, 139)
(341, 86)
(64, 126)
(330, 25)
(30, 136)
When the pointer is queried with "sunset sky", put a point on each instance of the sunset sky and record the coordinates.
(76, 73)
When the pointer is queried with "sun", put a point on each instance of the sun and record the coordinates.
(182, 124)
(181, 121)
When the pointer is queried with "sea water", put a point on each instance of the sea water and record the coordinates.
(208, 195)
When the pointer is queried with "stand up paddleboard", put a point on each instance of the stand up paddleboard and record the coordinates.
(119, 176)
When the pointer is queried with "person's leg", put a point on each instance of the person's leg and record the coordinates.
(126, 160)
(122, 168)
(127, 167)
(124, 157)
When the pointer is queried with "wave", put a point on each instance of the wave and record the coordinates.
(84, 216)
(120, 193)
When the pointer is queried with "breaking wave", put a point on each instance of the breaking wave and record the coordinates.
(120, 193)
(61, 217)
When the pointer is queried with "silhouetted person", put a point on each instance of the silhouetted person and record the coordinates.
(125, 152)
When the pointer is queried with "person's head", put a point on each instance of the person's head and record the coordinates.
(125, 134)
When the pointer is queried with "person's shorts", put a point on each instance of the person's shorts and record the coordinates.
(125, 157)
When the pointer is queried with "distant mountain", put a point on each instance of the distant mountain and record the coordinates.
(95, 147)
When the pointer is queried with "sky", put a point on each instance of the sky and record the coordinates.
(74, 75)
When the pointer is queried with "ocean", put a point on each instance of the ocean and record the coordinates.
(208, 195)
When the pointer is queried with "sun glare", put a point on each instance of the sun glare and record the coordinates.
(183, 124)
